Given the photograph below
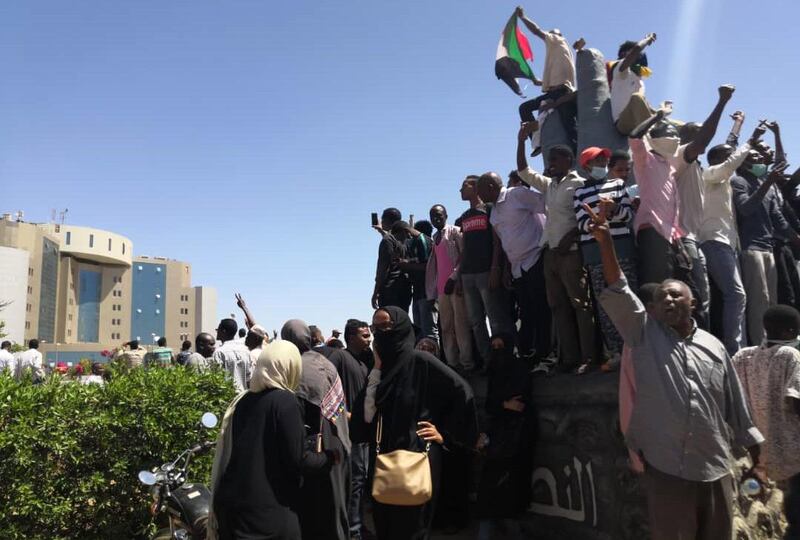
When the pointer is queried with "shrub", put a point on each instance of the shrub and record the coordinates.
(70, 453)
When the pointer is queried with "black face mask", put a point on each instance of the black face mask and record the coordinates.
(398, 340)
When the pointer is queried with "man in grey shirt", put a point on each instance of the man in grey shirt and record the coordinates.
(233, 356)
(690, 409)
(204, 345)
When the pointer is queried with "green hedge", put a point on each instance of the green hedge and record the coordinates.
(69, 453)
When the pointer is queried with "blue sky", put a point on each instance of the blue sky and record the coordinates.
(254, 138)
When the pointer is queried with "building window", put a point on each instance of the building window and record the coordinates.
(30, 271)
(69, 333)
(70, 301)
(91, 240)
(27, 325)
(109, 244)
(123, 249)
(69, 238)
(27, 307)
(69, 317)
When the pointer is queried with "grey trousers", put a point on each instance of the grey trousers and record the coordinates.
(567, 283)
(685, 510)
(760, 276)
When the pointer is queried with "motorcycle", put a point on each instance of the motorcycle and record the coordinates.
(187, 505)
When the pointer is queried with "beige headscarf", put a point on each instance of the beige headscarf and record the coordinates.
(279, 366)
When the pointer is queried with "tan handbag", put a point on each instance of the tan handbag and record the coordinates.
(402, 477)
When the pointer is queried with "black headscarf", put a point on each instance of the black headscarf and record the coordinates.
(415, 385)
(396, 350)
(298, 333)
(319, 376)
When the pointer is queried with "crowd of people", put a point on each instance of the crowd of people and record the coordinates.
(712, 248)
(625, 253)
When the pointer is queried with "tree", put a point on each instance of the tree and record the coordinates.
(3, 305)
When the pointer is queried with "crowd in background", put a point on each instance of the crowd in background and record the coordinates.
(626, 253)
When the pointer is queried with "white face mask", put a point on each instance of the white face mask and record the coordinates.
(664, 146)
(598, 173)
(784, 342)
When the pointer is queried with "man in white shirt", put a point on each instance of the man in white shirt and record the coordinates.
(558, 80)
(694, 138)
(31, 360)
(719, 239)
(518, 218)
(7, 360)
(629, 108)
(233, 356)
(566, 278)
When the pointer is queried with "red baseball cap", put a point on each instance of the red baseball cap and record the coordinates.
(592, 152)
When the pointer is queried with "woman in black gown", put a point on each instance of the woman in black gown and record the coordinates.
(258, 464)
(419, 399)
(323, 497)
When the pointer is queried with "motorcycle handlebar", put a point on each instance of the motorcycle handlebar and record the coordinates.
(202, 446)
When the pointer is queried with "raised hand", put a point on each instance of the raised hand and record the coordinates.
(607, 207)
(240, 301)
(651, 38)
(772, 126)
(776, 174)
(726, 92)
(598, 225)
(758, 132)
(527, 129)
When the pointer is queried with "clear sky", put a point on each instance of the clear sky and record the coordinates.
(254, 138)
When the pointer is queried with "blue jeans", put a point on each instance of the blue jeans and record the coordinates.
(422, 309)
(481, 301)
(723, 268)
(359, 463)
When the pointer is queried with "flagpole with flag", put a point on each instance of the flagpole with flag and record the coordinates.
(513, 54)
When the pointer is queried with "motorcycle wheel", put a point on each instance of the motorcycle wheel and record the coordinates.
(163, 534)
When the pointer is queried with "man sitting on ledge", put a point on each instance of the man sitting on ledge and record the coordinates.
(688, 400)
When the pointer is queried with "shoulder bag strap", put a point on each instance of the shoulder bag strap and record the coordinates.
(378, 434)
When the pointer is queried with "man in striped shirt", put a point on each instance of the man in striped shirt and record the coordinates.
(608, 196)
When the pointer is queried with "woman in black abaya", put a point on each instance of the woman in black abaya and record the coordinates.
(323, 497)
(420, 400)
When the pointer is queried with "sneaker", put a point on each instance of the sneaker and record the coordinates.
(544, 367)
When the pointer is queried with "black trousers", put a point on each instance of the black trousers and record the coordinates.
(788, 280)
(534, 312)
(398, 294)
(567, 112)
(658, 259)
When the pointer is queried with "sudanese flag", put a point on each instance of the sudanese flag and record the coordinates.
(513, 55)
